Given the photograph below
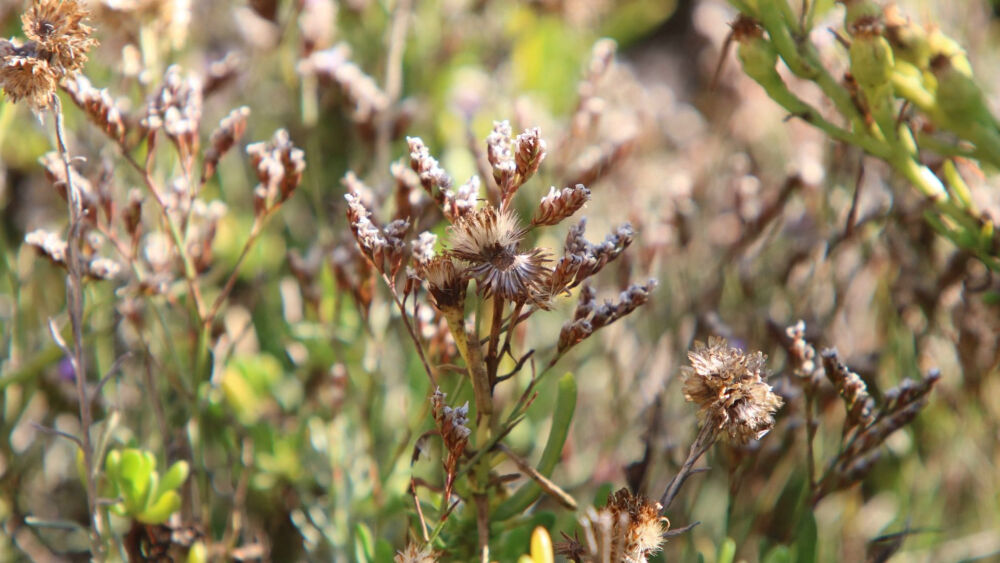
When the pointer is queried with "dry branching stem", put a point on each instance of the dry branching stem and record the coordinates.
(704, 440)
(74, 303)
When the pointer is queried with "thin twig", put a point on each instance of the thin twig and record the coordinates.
(544, 482)
(704, 440)
(409, 329)
(393, 82)
(74, 305)
(255, 231)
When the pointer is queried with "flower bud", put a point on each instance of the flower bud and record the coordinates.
(756, 54)
(871, 60)
(860, 14)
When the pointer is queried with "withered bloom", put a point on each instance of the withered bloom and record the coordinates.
(414, 554)
(29, 78)
(629, 528)
(489, 241)
(445, 282)
(57, 46)
(729, 387)
(560, 204)
(57, 28)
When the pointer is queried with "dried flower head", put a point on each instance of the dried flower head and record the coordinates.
(446, 283)
(231, 129)
(414, 554)
(57, 28)
(49, 244)
(432, 177)
(423, 247)
(529, 152)
(801, 354)
(489, 241)
(629, 529)
(558, 205)
(29, 78)
(459, 203)
(853, 390)
(279, 166)
(99, 106)
(729, 387)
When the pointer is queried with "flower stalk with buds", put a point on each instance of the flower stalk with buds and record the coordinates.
(894, 64)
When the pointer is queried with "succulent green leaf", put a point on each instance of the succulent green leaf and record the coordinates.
(160, 510)
(562, 417)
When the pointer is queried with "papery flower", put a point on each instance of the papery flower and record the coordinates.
(414, 554)
(29, 78)
(729, 387)
(489, 241)
(57, 28)
(628, 530)
(446, 283)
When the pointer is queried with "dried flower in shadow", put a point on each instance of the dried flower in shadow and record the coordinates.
(447, 284)
(589, 318)
(730, 389)
(628, 529)
(852, 389)
(867, 425)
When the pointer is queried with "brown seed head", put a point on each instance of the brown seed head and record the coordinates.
(414, 554)
(57, 27)
(446, 283)
(29, 78)
(729, 387)
(488, 240)
(629, 529)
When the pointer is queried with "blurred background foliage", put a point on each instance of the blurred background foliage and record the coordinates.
(304, 430)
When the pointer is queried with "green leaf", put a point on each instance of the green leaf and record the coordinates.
(562, 417)
(727, 551)
(602, 494)
(198, 553)
(384, 550)
(160, 510)
(778, 554)
(136, 469)
(806, 538)
(173, 478)
(364, 547)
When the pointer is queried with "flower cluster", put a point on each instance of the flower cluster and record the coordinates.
(56, 48)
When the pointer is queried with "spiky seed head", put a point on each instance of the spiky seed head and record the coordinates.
(488, 240)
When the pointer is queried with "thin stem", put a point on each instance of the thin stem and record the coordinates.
(393, 81)
(74, 305)
(190, 275)
(255, 230)
(704, 440)
(410, 330)
(493, 352)
(811, 427)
